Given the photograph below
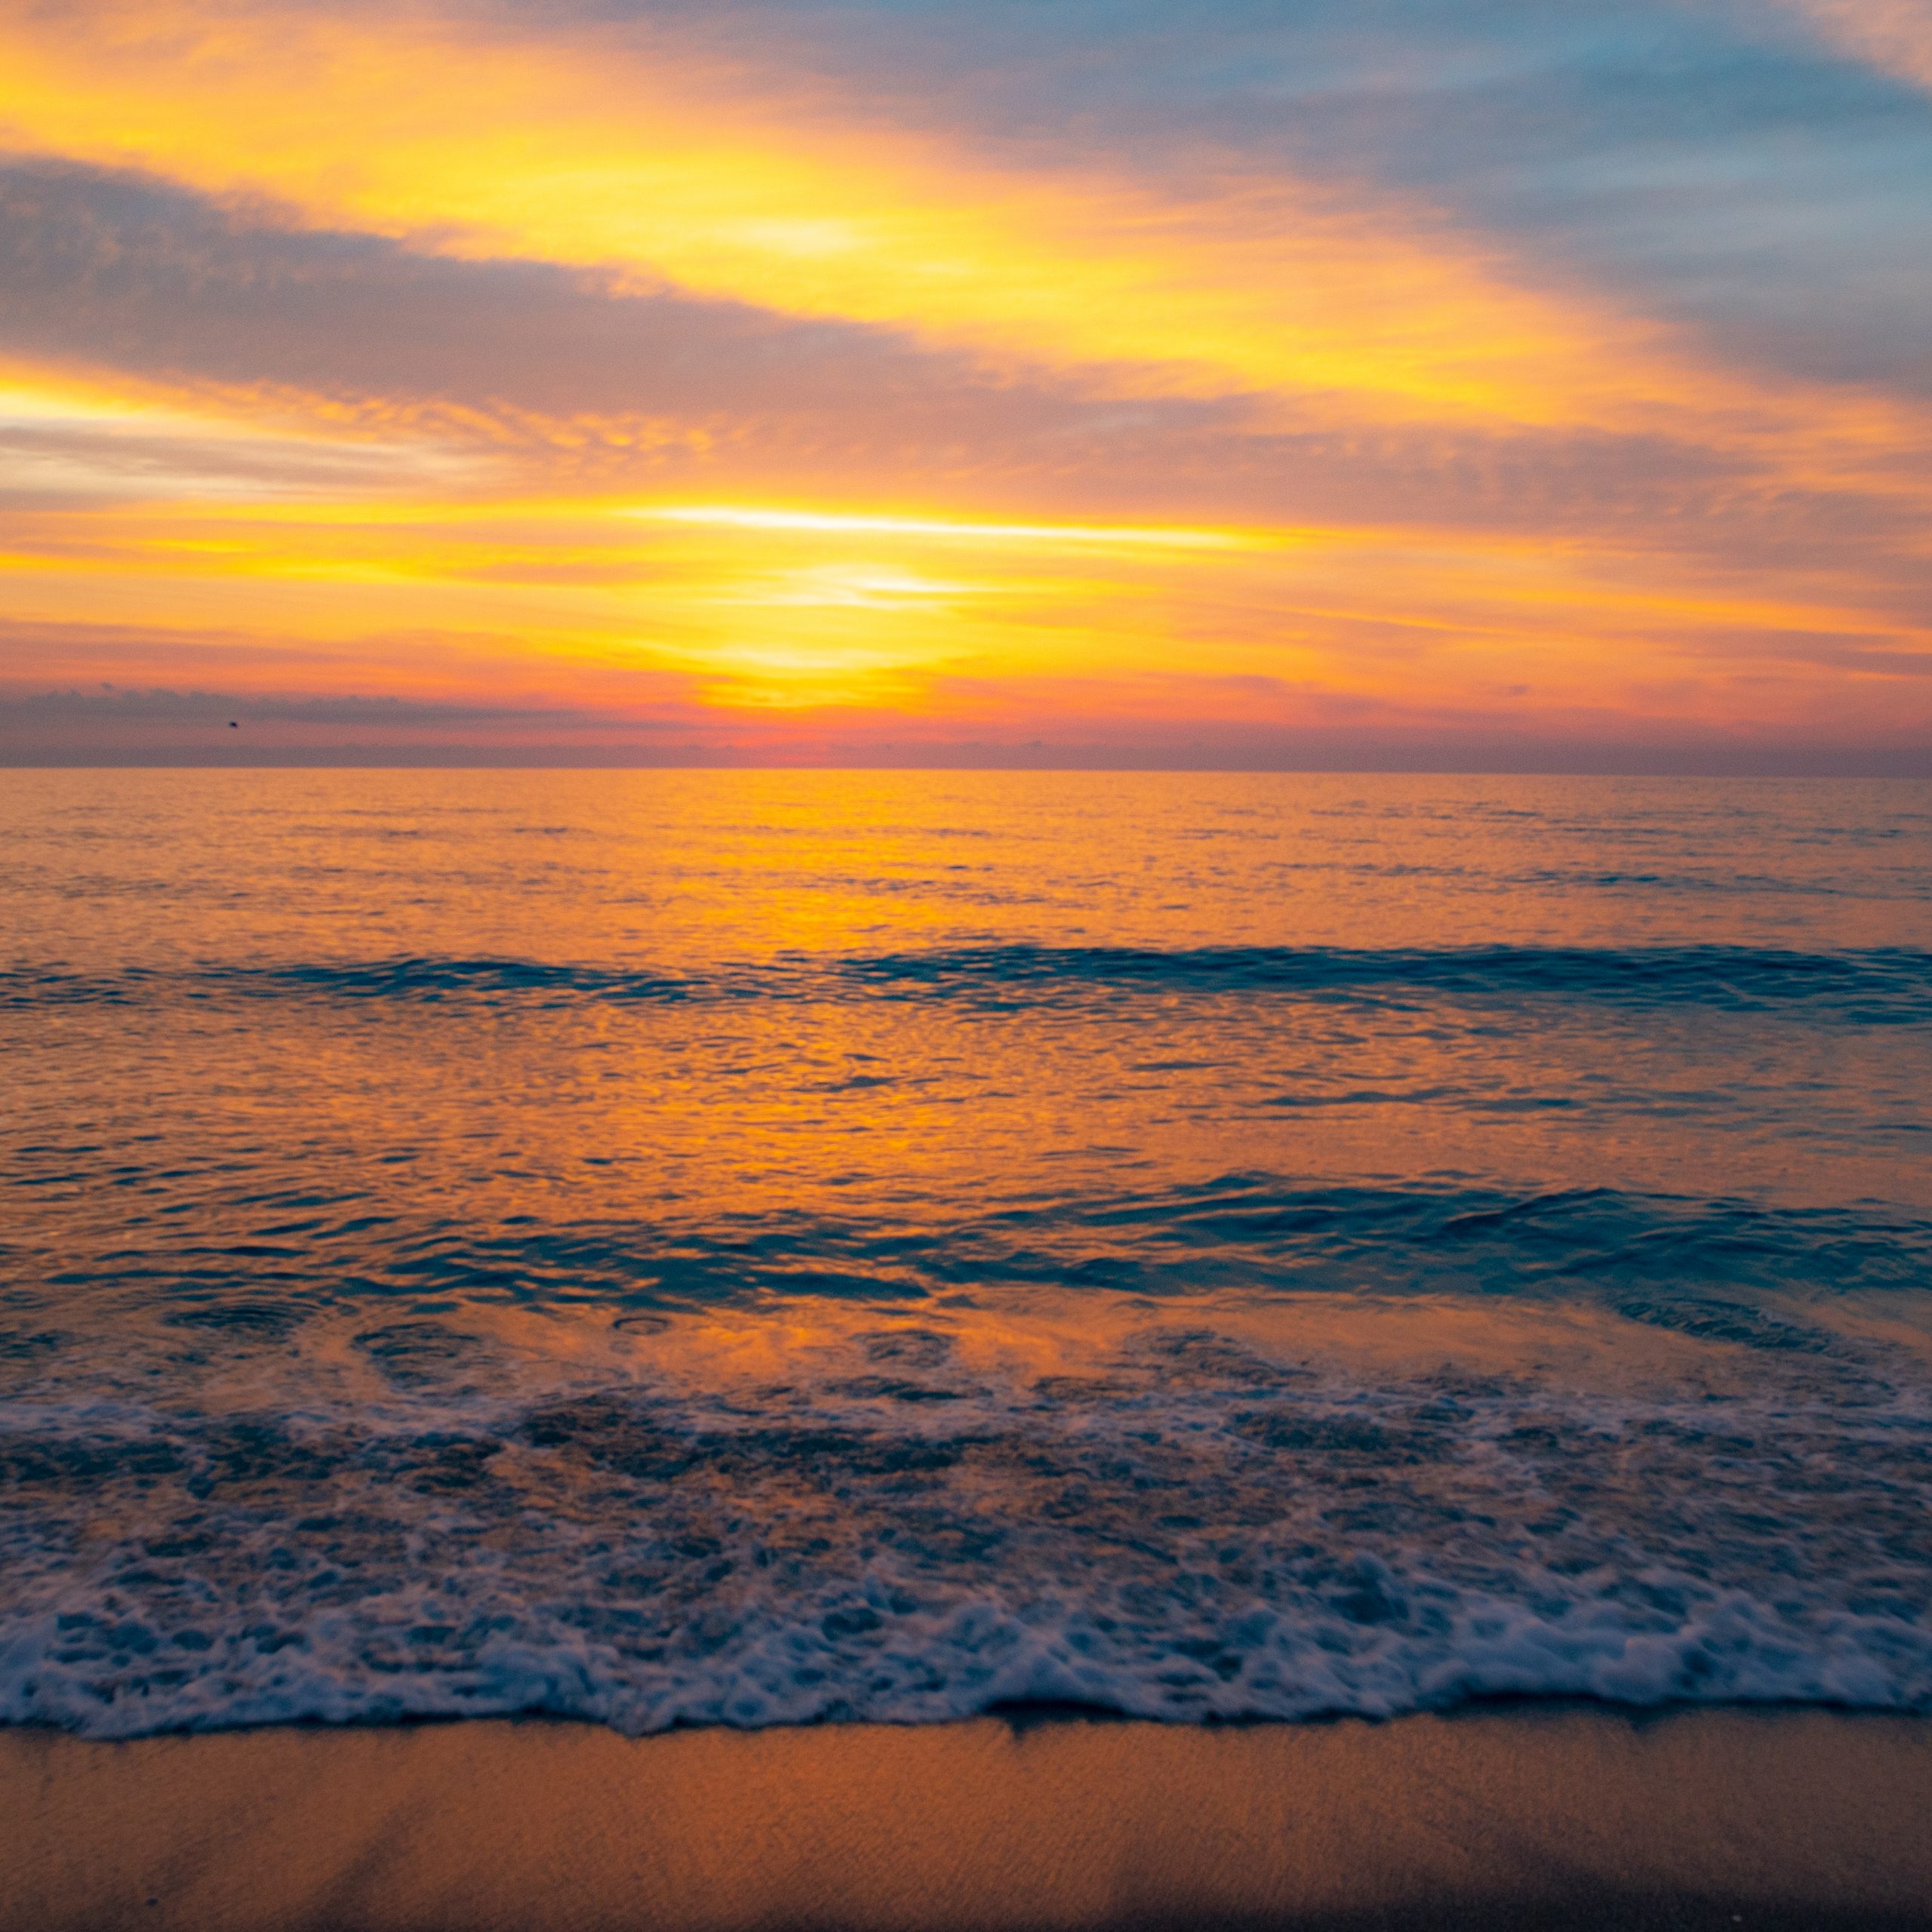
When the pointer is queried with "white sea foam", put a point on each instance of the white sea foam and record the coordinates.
(1254, 1247)
(1212, 1540)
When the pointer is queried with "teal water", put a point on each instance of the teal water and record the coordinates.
(751, 1247)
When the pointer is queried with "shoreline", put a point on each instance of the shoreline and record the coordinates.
(1513, 1816)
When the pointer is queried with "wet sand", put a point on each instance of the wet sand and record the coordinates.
(1530, 1817)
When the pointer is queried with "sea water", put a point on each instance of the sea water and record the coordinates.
(671, 1248)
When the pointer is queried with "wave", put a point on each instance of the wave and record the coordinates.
(1877, 986)
(408, 979)
(1192, 1529)
(1176, 1519)
(1704, 1265)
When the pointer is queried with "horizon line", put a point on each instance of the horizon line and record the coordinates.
(1922, 774)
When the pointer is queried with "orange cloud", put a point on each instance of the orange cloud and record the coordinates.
(775, 609)
(1895, 35)
(487, 543)
(590, 150)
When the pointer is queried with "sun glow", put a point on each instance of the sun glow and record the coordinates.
(458, 352)
(841, 523)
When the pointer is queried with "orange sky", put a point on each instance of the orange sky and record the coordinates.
(871, 384)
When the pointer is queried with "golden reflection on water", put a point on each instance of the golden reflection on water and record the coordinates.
(729, 1066)
(757, 1247)
(685, 869)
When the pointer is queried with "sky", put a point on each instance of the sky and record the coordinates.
(1413, 384)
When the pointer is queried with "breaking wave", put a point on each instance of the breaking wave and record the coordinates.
(1192, 1529)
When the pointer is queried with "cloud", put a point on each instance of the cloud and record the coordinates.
(1710, 162)
(583, 149)
(510, 377)
(108, 268)
(311, 364)
(1895, 35)
(1237, 724)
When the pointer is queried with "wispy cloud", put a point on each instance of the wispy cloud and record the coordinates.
(1893, 35)
(839, 375)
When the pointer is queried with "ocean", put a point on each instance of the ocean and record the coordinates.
(693, 1248)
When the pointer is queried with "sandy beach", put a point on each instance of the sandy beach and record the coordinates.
(1546, 1817)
